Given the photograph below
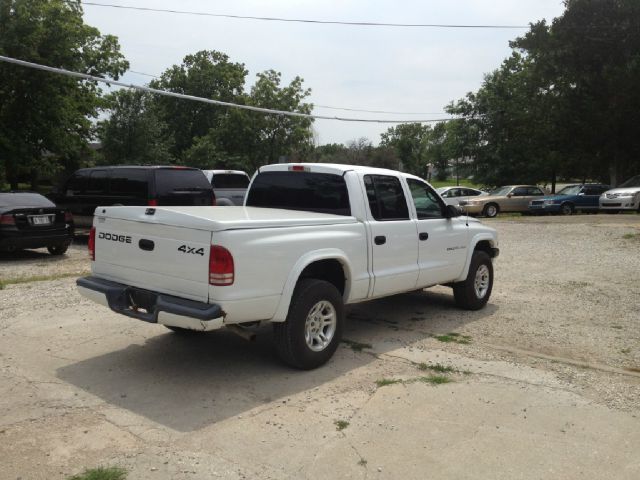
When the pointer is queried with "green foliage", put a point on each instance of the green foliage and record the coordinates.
(102, 473)
(565, 103)
(134, 133)
(409, 140)
(45, 118)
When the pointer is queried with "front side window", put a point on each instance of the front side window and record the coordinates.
(425, 200)
(386, 198)
(534, 191)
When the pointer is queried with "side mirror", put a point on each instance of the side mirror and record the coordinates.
(509, 195)
(452, 212)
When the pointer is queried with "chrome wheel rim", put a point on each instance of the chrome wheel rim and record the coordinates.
(481, 282)
(566, 210)
(491, 211)
(320, 326)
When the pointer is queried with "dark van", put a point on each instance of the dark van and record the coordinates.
(89, 188)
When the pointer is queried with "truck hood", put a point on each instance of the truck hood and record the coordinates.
(215, 219)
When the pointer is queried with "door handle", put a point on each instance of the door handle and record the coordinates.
(380, 240)
(423, 236)
(147, 245)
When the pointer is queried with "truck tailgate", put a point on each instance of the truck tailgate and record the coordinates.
(153, 256)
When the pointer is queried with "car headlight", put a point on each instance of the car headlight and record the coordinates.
(627, 195)
(551, 202)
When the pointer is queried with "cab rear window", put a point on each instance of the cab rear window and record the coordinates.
(230, 180)
(306, 191)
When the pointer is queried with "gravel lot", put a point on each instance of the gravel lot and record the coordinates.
(548, 385)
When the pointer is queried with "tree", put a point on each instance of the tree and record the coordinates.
(43, 112)
(206, 74)
(409, 140)
(134, 133)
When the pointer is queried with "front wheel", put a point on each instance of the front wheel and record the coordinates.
(490, 210)
(474, 292)
(313, 329)
(566, 209)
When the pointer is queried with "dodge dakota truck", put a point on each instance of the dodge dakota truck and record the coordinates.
(309, 239)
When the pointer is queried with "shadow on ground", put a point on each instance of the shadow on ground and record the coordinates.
(188, 382)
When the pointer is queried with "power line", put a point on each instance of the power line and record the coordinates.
(303, 20)
(84, 76)
(315, 105)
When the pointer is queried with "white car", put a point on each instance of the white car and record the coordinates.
(229, 186)
(625, 197)
(310, 239)
(455, 195)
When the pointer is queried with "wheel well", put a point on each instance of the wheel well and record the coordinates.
(485, 246)
(494, 204)
(328, 270)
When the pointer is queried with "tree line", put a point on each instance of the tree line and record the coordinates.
(563, 105)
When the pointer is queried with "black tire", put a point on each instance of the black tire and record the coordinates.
(289, 336)
(566, 209)
(57, 249)
(465, 293)
(490, 210)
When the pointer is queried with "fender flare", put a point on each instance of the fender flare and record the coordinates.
(302, 263)
(477, 238)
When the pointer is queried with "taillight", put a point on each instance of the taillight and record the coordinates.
(68, 217)
(92, 243)
(7, 220)
(152, 203)
(221, 269)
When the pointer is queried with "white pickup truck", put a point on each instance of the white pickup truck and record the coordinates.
(309, 239)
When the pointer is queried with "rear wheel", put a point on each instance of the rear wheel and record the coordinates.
(57, 249)
(313, 329)
(474, 292)
(566, 209)
(490, 210)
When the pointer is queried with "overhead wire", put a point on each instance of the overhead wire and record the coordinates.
(305, 20)
(316, 105)
(84, 76)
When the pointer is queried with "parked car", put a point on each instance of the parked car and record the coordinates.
(455, 195)
(625, 197)
(230, 186)
(310, 239)
(29, 220)
(572, 198)
(511, 198)
(89, 188)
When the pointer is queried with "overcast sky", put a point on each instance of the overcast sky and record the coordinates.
(371, 68)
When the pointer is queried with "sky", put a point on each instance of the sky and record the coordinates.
(415, 71)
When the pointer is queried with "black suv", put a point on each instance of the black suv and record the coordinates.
(89, 188)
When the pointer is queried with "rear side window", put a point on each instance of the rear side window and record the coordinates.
(77, 183)
(306, 191)
(172, 180)
(230, 180)
(130, 182)
(24, 200)
(386, 198)
(98, 182)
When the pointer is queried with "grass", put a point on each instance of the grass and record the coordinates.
(387, 381)
(436, 368)
(625, 351)
(356, 346)
(38, 278)
(362, 462)
(341, 424)
(631, 236)
(454, 338)
(108, 473)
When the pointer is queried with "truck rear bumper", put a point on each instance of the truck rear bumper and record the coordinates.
(151, 306)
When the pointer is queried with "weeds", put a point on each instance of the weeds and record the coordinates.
(454, 338)
(387, 381)
(341, 424)
(437, 367)
(109, 473)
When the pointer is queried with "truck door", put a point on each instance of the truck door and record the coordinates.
(443, 242)
(393, 237)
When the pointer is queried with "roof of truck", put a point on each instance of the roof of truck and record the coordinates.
(333, 168)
